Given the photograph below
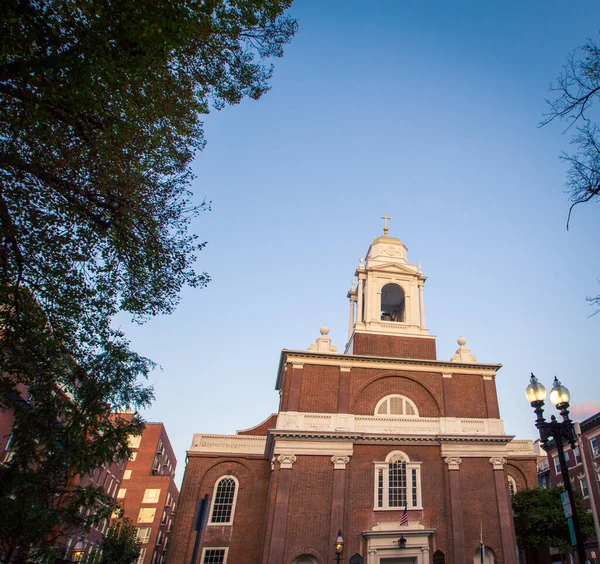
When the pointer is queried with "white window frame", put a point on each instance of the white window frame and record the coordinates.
(595, 450)
(214, 497)
(127, 475)
(145, 539)
(405, 401)
(512, 482)
(224, 548)
(384, 466)
(142, 555)
(577, 455)
(556, 462)
(583, 481)
(151, 498)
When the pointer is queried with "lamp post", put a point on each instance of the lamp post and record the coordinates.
(339, 546)
(560, 432)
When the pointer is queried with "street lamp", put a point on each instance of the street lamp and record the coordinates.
(339, 546)
(559, 432)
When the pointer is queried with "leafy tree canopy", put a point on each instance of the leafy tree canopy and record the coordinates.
(100, 116)
(540, 520)
(120, 545)
(576, 97)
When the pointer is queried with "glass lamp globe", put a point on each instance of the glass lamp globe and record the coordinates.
(339, 543)
(535, 391)
(559, 394)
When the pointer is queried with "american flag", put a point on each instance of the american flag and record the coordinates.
(404, 520)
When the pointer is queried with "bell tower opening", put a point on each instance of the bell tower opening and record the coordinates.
(392, 303)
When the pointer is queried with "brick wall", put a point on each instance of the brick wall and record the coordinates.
(201, 474)
(394, 346)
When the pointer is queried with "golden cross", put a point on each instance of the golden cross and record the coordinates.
(385, 226)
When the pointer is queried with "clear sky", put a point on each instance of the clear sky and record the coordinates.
(426, 112)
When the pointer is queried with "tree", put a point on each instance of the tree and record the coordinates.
(540, 521)
(100, 116)
(577, 92)
(120, 545)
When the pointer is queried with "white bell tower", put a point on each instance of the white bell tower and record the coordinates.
(388, 298)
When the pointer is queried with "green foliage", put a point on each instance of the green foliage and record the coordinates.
(100, 117)
(540, 520)
(120, 544)
(577, 91)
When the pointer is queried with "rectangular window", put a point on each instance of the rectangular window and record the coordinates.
(134, 442)
(595, 447)
(146, 515)
(414, 488)
(133, 455)
(556, 464)
(142, 555)
(584, 487)
(577, 454)
(151, 496)
(143, 534)
(397, 485)
(121, 494)
(213, 556)
(127, 475)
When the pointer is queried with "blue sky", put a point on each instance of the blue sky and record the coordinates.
(426, 112)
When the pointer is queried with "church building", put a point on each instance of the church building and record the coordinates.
(381, 453)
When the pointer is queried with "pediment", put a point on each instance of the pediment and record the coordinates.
(394, 268)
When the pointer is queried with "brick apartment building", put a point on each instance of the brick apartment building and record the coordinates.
(583, 462)
(360, 439)
(145, 485)
(148, 491)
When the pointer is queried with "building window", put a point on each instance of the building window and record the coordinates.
(133, 455)
(556, 464)
(223, 506)
(151, 496)
(397, 482)
(146, 515)
(594, 445)
(142, 555)
(143, 534)
(584, 487)
(577, 454)
(127, 475)
(214, 556)
(134, 442)
(512, 486)
(396, 405)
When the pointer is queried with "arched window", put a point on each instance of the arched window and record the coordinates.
(392, 303)
(397, 482)
(512, 486)
(396, 405)
(224, 498)
(488, 556)
(305, 559)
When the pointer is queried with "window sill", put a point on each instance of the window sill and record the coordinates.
(219, 524)
(397, 509)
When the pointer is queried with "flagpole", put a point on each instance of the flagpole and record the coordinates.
(481, 541)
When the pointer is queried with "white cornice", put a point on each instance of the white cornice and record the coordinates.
(382, 363)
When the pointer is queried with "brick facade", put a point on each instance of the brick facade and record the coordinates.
(359, 439)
